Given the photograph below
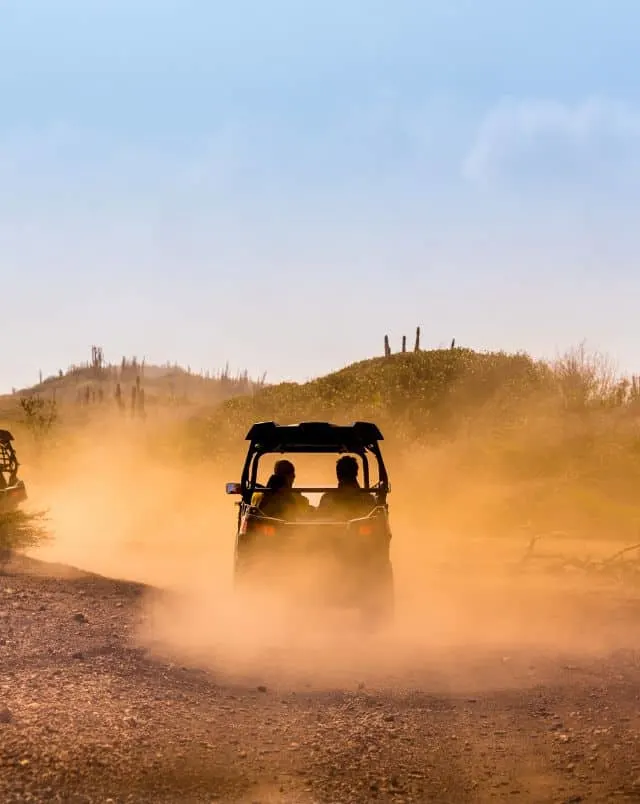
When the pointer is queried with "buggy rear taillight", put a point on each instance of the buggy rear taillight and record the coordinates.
(365, 530)
(248, 525)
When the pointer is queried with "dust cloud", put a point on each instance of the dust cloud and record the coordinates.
(464, 615)
(118, 510)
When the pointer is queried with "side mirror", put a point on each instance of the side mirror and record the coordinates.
(233, 488)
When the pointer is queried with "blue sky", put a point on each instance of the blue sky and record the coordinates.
(279, 184)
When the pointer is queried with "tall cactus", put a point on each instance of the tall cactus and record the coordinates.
(416, 348)
(118, 396)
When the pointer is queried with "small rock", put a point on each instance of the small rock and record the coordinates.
(77, 655)
(262, 688)
(6, 716)
(79, 617)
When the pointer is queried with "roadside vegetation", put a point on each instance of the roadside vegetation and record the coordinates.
(20, 530)
(477, 442)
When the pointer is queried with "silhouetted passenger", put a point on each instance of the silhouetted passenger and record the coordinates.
(349, 500)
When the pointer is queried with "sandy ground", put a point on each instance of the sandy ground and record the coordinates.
(101, 700)
(494, 685)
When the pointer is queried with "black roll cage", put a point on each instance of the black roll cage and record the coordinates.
(359, 438)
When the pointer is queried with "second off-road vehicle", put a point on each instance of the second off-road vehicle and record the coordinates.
(12, 489)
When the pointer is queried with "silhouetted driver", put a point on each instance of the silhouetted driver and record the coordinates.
(280, 499)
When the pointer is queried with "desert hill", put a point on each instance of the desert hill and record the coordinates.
(408, 393)
(131, 382)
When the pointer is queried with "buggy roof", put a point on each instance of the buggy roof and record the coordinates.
(313, 437)
(5, 437)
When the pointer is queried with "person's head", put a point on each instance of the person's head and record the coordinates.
(347, 469)
(286, 470)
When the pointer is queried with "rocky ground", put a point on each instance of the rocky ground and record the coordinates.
(86, 716)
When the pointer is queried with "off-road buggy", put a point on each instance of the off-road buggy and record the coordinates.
(12, 490)
(342, 562)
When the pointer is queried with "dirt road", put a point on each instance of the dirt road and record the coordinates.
(87, 715)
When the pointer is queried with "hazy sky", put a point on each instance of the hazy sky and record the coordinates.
(280, 183)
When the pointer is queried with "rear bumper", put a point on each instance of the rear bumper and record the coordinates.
(335, 573)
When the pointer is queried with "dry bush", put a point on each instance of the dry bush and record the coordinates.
(39, 415)
(20, 530)
(587, 378)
